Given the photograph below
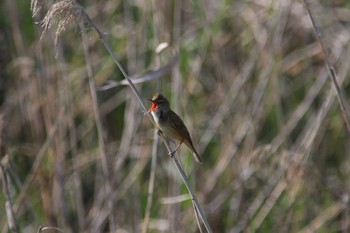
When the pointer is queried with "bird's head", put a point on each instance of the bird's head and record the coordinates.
(158, 101)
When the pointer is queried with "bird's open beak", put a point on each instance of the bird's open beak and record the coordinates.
(154, 106)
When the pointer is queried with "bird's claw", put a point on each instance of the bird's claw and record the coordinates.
(159, 132)
(171, 154)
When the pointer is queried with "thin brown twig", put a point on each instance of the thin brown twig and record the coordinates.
(330, 68)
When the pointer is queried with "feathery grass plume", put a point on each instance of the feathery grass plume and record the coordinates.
(35, 7)
(64, 13)
(42, 229)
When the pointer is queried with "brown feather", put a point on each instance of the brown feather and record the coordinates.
(183, 134)
(179, 126)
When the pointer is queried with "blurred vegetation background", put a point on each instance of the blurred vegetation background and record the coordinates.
(249, 81)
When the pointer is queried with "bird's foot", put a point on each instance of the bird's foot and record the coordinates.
(159, 132)
(171, 154)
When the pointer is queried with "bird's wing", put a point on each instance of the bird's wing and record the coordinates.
(183, 134)
(179, 126)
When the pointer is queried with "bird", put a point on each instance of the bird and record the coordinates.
(169, 123)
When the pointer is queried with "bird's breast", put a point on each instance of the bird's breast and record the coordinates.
(156, 115)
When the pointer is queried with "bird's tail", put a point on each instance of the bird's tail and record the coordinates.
(196, 156)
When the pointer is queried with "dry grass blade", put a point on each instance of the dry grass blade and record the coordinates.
(331, 70)
(73, 143)
(324, 217)
(141, 78)
(269, 203)
(35, 6)
(151, 183)
(11, 219)
(197, 217)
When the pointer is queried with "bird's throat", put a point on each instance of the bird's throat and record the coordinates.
(153, 108)
(156, 115)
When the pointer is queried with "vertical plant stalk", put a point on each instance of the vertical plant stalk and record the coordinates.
(155, 137)
(11, 219)
(330, 68)
(72, 135)
(101, 143)
(197, 217)
(157, 42)
(60, 144)
(151, 183)
(177, 92)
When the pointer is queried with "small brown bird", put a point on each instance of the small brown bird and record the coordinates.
(171, 124)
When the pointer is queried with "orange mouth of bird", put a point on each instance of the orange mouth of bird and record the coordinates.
(154, 107)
